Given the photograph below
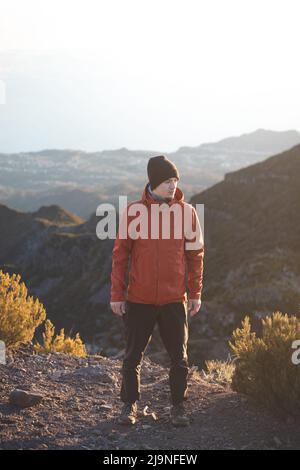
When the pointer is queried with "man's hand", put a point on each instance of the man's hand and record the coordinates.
(194, 306)
(118, 307)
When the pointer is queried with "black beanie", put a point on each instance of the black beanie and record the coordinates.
(160, 169)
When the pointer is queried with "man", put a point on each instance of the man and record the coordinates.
(159, 268)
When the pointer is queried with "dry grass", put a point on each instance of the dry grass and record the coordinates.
(220, 372)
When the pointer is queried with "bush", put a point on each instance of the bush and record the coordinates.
(264, 368)
(220, 372)
(67, 345)
(20, 315)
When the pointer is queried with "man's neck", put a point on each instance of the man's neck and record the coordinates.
(156, 196)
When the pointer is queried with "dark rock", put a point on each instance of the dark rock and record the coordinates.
(25, 399)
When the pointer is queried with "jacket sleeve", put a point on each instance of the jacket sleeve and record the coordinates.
(194, 259)
(120, 260)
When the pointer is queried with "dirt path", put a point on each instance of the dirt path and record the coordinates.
(81, 403)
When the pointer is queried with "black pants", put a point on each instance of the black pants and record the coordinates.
(139, 322)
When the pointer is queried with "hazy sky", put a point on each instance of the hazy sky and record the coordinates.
(143, 74)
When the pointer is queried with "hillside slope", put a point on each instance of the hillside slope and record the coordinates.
(252, 236)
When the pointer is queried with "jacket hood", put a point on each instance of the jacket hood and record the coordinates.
(147, 199)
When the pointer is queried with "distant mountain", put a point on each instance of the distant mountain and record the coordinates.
(80, 181)
(15, 226)
(57, 215)
(208, 163)
(261, 140)
(62, 262)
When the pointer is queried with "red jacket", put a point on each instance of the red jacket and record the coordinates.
(159, 267)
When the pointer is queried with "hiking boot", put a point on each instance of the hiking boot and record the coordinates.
(179, 416)
(128, 414)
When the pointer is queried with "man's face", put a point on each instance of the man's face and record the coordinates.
(167, 188)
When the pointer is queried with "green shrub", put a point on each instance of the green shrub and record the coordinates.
(20, 315)
(60, 343)
(264, 369)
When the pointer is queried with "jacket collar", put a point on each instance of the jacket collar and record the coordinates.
(148, 199)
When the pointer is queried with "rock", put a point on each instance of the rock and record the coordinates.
(25, 399)
(44, 446)
(56, 375)
(105, 407)
(94, 372)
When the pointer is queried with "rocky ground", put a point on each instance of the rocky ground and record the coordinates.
(80, 404)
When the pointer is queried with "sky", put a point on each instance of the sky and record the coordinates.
(156, 75)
